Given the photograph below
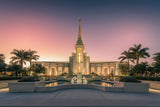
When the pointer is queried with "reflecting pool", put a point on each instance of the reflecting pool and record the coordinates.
(56, 83)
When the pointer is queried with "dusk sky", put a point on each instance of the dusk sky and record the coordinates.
(51, 27)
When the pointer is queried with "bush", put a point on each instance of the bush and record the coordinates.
(10, 78)
(149, 78)
(63, 78)
(93, 74)
(64, 74)
(29, 79)
(94, 78)
(128, 79)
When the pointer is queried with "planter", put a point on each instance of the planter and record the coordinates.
(136, 87)
(23, 86)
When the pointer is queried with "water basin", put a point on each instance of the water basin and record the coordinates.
(56, 83)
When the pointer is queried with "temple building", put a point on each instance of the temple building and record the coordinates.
(80, 62)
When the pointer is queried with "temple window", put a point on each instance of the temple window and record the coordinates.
(79, 55)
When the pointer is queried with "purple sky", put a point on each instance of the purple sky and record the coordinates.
(51, 26)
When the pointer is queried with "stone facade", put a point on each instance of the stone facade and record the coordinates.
(80, 62)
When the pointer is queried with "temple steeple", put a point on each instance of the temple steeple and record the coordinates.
(79, 40)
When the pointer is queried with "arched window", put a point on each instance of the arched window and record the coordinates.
(105, 72)
(66, 70)
(59, 70)
(47, 70)
(99, 70)
(92, 69)
(112, 70)
(53, 73)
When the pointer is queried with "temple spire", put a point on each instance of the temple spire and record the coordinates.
(79, 32)
(79, 40)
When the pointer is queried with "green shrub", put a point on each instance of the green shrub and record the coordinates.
(94, 78)
(29, 79)
(63, 78)
(93, 74)
(10, 78)
(149, 78)
(128, 79)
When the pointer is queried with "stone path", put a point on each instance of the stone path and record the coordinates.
(79, 97)
(153, 84)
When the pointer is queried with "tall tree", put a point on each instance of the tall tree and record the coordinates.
(20, 57)
(126, 55)
(156, 57)
(38, 68)
(14, 68)
(123, 68)
(2, 57)
(138, 52)
(31, 56)
(140, 69)
(2, 63)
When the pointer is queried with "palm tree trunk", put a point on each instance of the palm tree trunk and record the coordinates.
(137, 60)
(30, 67)
(21, 67)
(128, 64)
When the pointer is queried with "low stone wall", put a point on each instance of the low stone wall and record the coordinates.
(152, 84)
(39, 87)
(114, 89)
(23, 86)
(4, 83)
(136, 87)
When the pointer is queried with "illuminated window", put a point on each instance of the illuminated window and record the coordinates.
(79, 55)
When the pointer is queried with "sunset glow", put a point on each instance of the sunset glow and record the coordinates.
(51, 27)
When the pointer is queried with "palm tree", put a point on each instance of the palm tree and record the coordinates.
(126, 55)
(2, 57)
(2, 63)
(20, 57)
(138, 52)
(15, 69)
(140, 68)
(38, 68)
(31, 56)
(156, 58)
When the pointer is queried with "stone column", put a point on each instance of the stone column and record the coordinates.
(49, 69)
(95, 69)
(109, 69)
(63, 69)
(57, 69)
(117, 69)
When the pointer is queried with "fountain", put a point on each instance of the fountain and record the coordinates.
(79, 79)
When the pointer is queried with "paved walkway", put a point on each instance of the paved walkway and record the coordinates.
(78, 97)
(153, 84)
(4, 83)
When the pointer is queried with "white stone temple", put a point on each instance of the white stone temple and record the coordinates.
(80, 62)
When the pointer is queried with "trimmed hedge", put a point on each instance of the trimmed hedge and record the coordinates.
(94, 78)
(63, 78)
(10, 78)
(29, 79)
(149, 78)
(128, 79)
